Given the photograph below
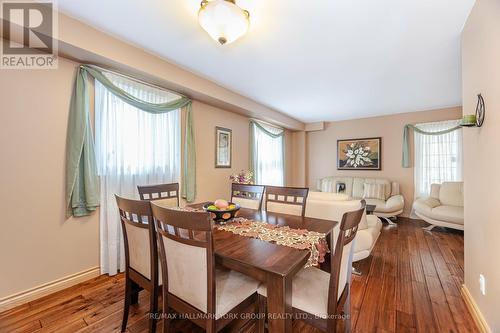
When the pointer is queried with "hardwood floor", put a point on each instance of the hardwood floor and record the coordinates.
(411, 283)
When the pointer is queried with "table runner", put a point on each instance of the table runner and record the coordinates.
(300, 239)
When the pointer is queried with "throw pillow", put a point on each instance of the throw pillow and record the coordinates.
(374, 191)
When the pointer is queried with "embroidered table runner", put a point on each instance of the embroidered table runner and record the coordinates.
(300, 239)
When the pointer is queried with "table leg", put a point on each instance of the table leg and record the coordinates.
(279, 303)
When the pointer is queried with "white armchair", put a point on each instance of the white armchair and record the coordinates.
(332, 206)
(390, 206)
(444, 207)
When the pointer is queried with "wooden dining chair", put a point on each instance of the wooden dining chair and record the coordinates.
(247, 196)
(286, 200)
(320, 298)
(141, 255)
(192, 286)
(165, 195)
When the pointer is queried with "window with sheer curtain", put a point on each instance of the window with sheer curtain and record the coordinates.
(133, 148)
(438, 158)
(268, 155)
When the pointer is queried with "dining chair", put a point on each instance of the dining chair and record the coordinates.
(141, 255)
(247, 196)
(286, 200)
(193, 286)
(165, 195)
(320, 298)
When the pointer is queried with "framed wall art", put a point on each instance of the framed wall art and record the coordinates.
(223, 146)
(359, 154)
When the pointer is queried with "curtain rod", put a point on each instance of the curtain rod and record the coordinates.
(128, 77)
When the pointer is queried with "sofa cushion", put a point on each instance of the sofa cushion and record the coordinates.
(432, 208)
(328, 196)
(374, 191)
(453, 214)
(452, 194)
(358, 186)
(425, 204)
(435, 191)
(329, 184)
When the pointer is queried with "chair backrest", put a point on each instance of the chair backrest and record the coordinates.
(141, 252)
(286, 200)
(165, 195)
(342, 258)
(333, 210)
(247, 196)
(187, 256)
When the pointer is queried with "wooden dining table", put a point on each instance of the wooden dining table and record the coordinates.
(275, 265)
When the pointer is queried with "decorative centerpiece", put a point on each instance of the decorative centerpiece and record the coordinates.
(242, 177)
(221, 210)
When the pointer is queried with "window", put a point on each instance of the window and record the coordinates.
(438, 158)
(268, 154)
(133, 147)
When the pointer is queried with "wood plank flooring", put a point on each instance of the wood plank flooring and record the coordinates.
(411, 283)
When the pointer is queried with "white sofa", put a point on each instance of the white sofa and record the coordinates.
(332, 206)
(392, 206)
(444, 207)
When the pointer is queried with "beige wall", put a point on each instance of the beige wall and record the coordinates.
(322, 147)
(37, 243)
(481, 74)
(297, 161)
(213, 183)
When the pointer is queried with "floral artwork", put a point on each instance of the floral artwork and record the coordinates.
(223, 146)
(242, 177)
(359, 154)
(300, 239)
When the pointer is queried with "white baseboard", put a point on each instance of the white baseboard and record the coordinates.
(482, 325)
(26, 296)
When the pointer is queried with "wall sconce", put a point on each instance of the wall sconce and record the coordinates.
(475, 120)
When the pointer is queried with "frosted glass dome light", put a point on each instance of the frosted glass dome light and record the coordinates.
(223, 20)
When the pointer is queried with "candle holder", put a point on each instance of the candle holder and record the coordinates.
(477, 119)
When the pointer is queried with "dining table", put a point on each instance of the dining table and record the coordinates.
(270, 263)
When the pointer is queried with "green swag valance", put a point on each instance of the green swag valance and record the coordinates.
(82, 182)
(406, 140)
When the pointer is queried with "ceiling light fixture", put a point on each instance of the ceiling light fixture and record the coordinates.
(223, 20)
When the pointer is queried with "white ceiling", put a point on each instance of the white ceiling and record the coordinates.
(313, 60)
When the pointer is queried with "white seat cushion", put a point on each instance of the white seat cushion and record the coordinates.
(232, 288)
(309, 291)
(246, 203)
(433, 209)
(283, 208)
(453, 214)
(392, 205)
(166, 203)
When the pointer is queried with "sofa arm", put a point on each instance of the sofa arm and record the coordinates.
(395, 203)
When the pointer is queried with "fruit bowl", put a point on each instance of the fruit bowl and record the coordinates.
(222, 215)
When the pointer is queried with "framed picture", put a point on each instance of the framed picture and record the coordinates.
(359, 154)
(223, 146)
